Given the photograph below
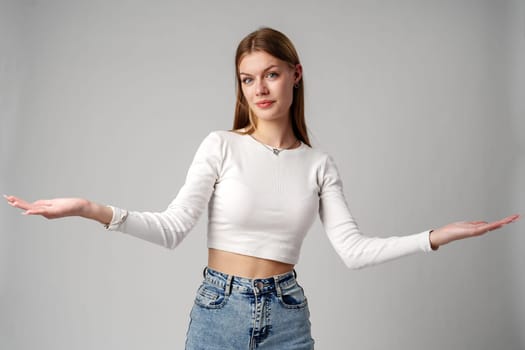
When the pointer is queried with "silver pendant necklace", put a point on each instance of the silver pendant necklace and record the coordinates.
(276, 151)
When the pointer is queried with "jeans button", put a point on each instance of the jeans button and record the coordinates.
(259, 285)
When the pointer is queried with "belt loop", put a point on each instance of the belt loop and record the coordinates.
(294, 274)
(228, 288)
(204, 271)
(277, 286)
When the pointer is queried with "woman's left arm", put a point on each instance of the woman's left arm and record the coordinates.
(466, 229)
(358, 250)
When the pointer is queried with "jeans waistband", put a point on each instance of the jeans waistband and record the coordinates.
(248, 285)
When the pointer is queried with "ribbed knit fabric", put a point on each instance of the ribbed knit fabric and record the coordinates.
(261, 204)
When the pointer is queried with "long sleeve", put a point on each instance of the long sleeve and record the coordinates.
(170, 227)
(357, 250)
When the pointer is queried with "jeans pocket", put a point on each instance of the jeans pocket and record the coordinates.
(292, 297)
(210, 296)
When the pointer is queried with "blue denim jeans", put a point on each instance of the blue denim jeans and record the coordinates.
(233, 313)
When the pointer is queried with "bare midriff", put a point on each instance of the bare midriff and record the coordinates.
(245, 265)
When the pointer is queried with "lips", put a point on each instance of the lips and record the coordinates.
(264, 104)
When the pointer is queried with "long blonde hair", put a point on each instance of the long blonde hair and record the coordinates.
(278, 45)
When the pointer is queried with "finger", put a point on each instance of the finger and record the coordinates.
(478, 222)
(512, 218)
(9, 199)
(19, 203)
(36, 211)
(493, 227)
(42, 203)
(480, 231)
(42, 212)
(506, 220)
(490, 227)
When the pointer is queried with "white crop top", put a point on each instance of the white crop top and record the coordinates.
(262, 204)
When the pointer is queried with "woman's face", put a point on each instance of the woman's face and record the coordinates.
(267, 84)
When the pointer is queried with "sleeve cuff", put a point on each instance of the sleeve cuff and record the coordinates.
(425, 241)
(119, 216)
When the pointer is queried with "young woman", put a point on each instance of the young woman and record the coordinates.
(264, 185)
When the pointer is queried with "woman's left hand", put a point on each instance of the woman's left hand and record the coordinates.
(466, 229)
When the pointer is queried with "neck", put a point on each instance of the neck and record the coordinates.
(275, 133)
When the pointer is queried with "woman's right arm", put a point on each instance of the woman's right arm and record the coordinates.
(62, 207)
(167, 228)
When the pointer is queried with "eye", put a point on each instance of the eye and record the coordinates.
(246, 80)
(272, 75)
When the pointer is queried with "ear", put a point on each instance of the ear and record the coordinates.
(298, 74)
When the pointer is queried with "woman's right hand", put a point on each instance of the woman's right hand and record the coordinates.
(50, 208)
(62, 207)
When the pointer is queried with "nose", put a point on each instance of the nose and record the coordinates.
(260, 87)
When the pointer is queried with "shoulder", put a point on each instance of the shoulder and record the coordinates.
(325, 165)
(218, 141)
(222, 134)
(318, 155)
(215, 136)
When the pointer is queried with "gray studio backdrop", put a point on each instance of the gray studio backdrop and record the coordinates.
(421, 103)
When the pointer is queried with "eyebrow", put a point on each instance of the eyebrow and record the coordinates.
(266, 69)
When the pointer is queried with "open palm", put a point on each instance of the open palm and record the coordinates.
(49, 208)
(466, 229)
